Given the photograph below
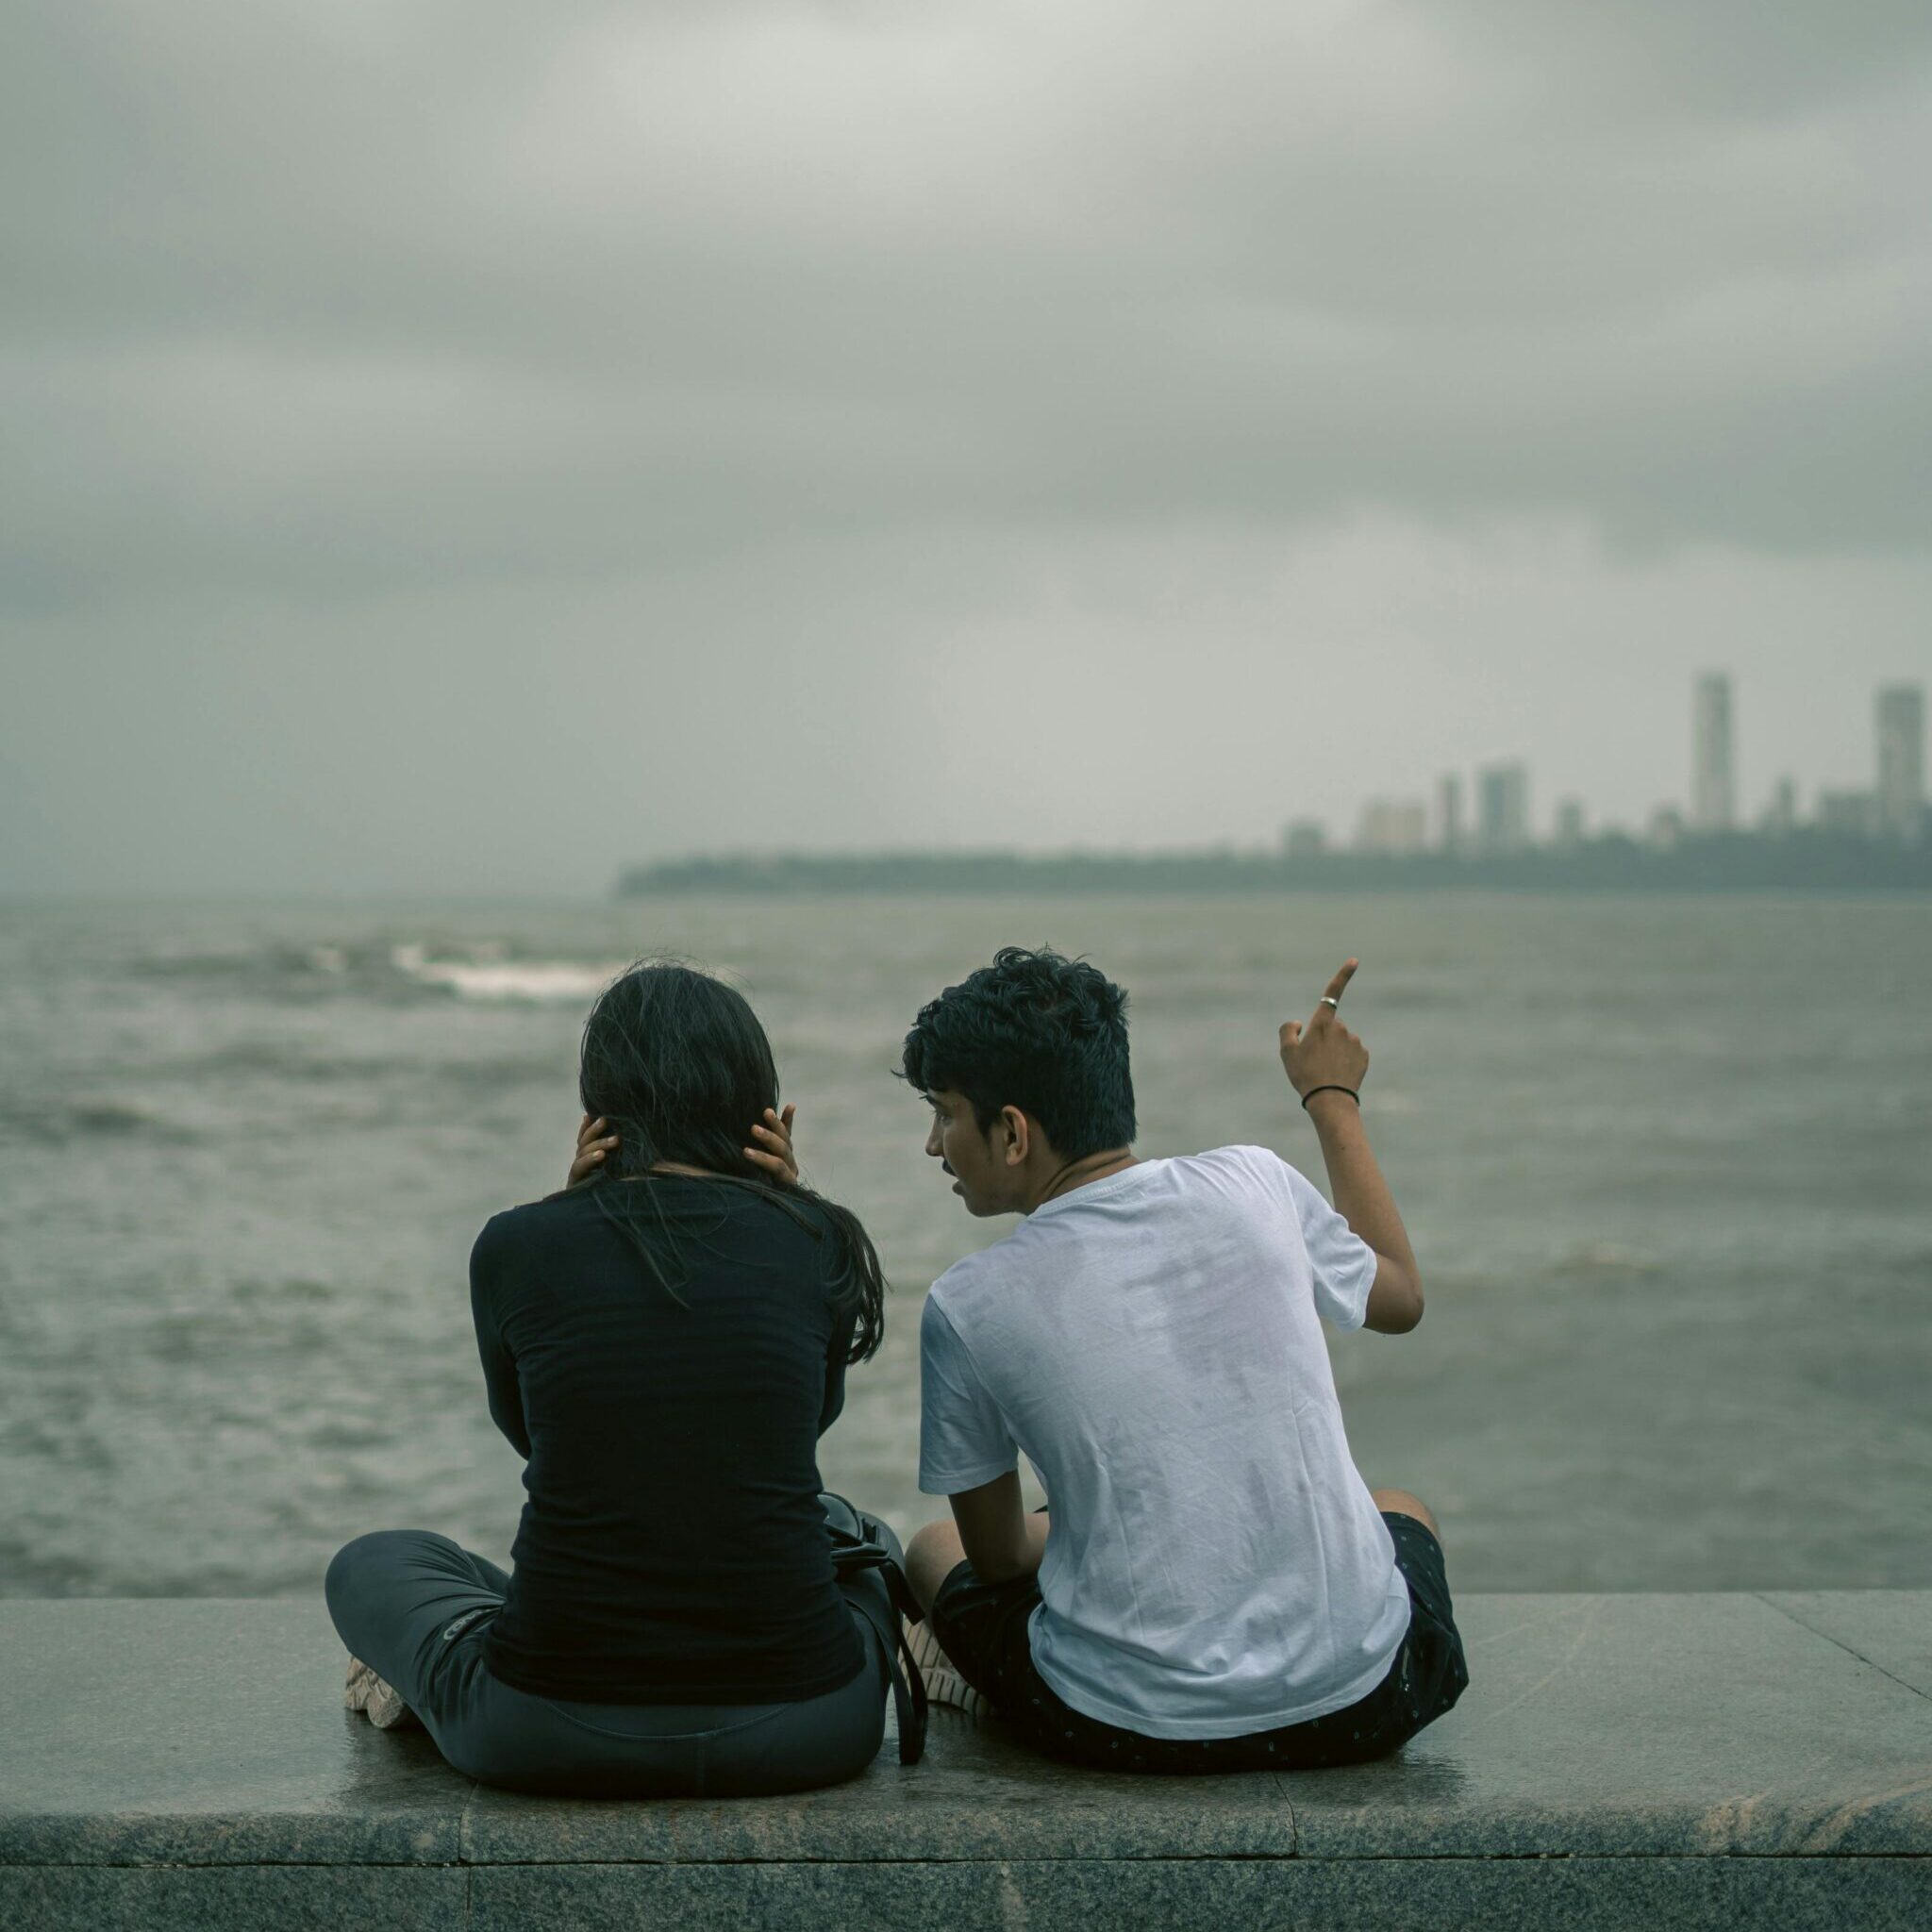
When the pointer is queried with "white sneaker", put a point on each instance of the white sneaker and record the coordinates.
(365, 1692)
(943, 1683)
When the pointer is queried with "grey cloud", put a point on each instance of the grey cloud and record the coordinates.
(1728, 53)
(414, 293)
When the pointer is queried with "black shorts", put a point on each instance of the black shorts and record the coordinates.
(983, 1629)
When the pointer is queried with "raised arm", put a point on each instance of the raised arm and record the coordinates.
(1326, 1065)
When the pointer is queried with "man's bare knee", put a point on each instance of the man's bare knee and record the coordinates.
(1401, 1502)
(931, 1558)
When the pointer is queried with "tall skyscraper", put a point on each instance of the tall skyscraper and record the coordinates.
(1901, 760)
(1502, 807)
(1713, 793)
(1449, 812)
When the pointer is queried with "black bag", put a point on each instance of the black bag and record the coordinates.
(871, 1568)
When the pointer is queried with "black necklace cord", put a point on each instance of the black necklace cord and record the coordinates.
(1067, 1167)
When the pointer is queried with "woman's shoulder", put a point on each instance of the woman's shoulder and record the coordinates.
(787, 1218)
(814, 1211)
(530, 1221)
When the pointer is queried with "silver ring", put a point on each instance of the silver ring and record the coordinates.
(1329, 999)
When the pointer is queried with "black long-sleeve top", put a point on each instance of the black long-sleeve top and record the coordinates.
(672, 1548)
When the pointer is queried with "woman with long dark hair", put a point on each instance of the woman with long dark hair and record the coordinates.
(663, 1342)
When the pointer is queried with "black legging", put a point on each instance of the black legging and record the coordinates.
(413, 1605)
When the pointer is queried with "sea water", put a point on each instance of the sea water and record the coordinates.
(1667, 1165)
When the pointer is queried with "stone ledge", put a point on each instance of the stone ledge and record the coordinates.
(168, 1762)
(1882, 1894)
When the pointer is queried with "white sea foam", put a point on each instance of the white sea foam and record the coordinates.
(532, 981)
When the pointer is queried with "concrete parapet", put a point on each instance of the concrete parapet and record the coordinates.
(1641, 1760)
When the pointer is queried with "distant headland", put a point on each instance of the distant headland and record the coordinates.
(1804, 859)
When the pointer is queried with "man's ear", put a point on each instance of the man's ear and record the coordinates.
(1019, 1133)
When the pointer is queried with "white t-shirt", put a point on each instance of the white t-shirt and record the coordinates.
(1151, 1340)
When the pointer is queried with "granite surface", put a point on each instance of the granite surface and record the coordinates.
(1643, 1725)
(234, 1898)
(1216, 1895)
(975, 1796)
(1341, 1895)
(1640, 1759)
(1891, 1628)
(202, 1732)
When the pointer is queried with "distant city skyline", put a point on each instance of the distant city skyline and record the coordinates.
(1894, 806)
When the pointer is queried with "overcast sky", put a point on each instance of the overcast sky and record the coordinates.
(471, 446)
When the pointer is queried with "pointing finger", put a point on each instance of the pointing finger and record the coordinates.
(1337, 987)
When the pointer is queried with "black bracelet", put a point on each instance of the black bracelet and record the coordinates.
(1330, 1088)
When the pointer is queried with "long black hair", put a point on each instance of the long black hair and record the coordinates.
(678, 1064)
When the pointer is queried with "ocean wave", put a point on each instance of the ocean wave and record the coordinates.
(292, 1061)
(379, 969)
(64, 1123)
(284, 974)
(1604, 1257)
(275, 961)
(481, 976)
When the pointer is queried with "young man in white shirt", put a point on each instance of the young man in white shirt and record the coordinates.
(1215, 1588)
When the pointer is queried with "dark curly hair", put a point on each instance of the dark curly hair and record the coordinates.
(1037, 1031)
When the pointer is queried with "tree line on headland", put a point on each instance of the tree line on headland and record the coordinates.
(1802, 860)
